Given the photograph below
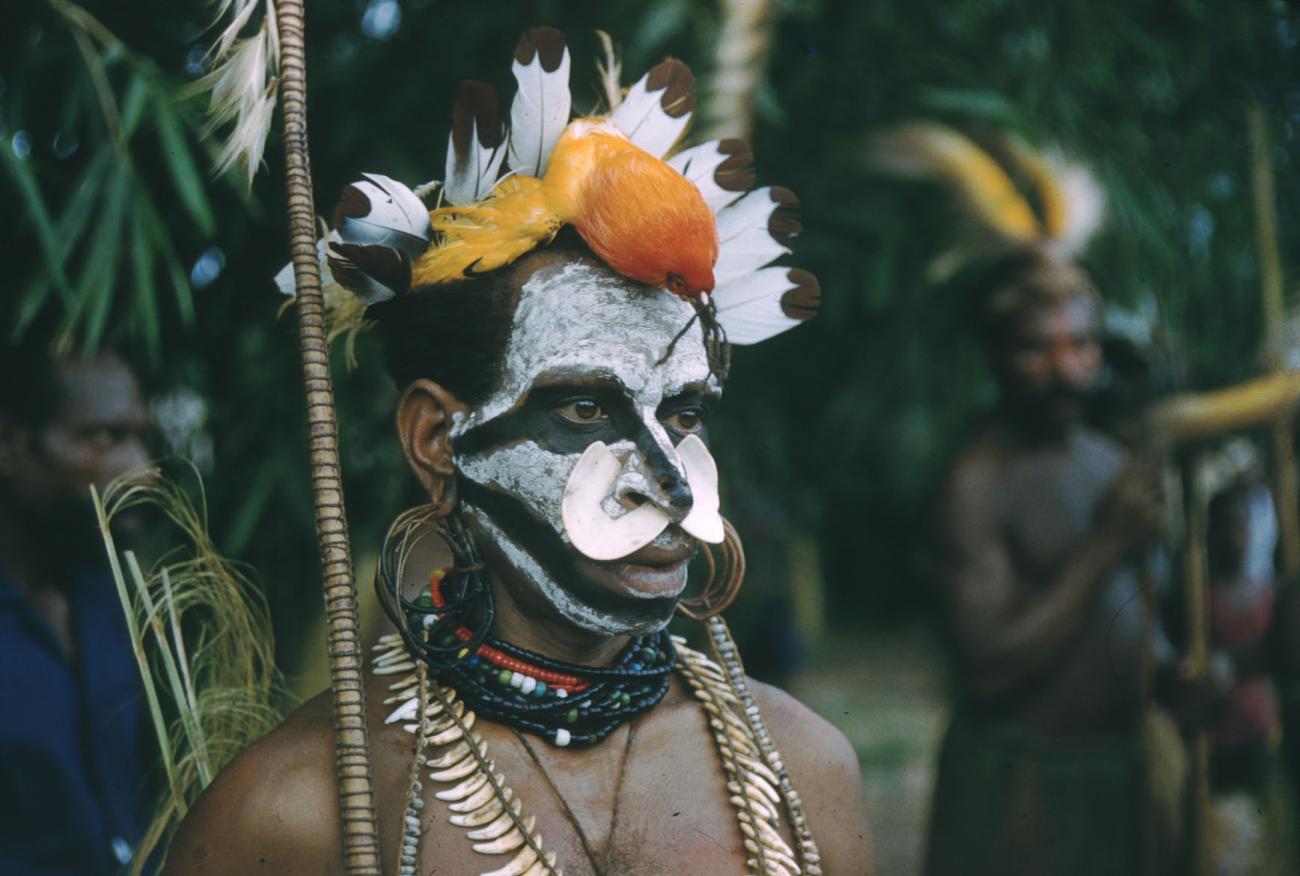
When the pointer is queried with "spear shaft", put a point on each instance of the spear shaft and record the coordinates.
(352, 743)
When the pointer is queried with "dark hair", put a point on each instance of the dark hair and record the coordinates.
(30, 389)
(1002, 291)
(456, 334)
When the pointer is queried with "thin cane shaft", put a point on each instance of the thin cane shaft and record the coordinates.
(352, 745)
(1273, 299)
(1196, 596)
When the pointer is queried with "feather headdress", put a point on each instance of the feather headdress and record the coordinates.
(685, 220)
(1066, 208)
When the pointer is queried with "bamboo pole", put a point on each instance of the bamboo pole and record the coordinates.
(1196, 595)
(739, 64)
(1286, 484)
(352, 744)
(1194, 416)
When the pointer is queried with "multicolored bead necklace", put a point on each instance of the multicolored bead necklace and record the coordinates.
(563, 703)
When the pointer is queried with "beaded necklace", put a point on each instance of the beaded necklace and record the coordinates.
(564, 703)
(479, 801)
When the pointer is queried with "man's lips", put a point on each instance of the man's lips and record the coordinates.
(670, 549)
(656, 571)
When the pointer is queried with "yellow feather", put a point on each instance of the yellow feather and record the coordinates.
(489, 235)
(932, 151)
(522, 212)
(1056, 212)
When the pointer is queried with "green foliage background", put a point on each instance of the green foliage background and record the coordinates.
(845, 423)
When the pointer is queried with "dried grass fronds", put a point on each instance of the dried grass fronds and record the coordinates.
(201, 633)
(242, 81)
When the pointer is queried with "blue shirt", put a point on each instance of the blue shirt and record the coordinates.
(72, 783)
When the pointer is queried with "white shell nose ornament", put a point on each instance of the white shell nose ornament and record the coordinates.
(601, 537)
(704, 522)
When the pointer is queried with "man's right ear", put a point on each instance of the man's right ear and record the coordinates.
(424, 420)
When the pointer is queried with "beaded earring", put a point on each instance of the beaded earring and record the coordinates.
(467, 601)
(726, 572)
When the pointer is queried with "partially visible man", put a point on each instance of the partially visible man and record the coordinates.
(71, 747)
(1250, 806)
(1043, 521)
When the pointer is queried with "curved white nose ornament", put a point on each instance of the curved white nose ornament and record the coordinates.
(704, 522)
(602, 537)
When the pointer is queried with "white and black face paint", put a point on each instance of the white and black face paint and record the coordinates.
(583, 365)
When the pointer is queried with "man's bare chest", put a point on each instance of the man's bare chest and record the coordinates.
(669, 812)
(1048, 502)
(682, 786)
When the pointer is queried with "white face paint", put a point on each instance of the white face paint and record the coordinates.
(585, 320)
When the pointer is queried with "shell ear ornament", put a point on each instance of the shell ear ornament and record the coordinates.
(468, 598)
(726, 574)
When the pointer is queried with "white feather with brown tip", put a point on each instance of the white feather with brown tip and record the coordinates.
(540, 110)
(657, 109)
(753, 232)
(476, 145)
(382, 226)
(720, 169)
(754, 307)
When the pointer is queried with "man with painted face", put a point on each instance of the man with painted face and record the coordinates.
(72, 779)
(532, 714)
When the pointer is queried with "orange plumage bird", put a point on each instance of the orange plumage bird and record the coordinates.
(640, 216)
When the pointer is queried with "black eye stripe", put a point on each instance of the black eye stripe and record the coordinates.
(556, 559)
(537, 419)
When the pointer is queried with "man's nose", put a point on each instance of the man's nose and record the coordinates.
(675, 490)
(652, 478)
(131, 456)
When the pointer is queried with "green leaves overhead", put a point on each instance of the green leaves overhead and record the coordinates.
(96, 219)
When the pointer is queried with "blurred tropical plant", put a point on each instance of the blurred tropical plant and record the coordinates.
(103, 220)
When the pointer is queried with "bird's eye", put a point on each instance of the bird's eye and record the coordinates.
(687, 421)
(676, 284)
(582, 410)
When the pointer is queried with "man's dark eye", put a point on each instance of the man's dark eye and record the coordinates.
(102, 437)
(686, 421)
(582, 410)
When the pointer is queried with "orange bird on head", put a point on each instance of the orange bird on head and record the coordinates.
(640, 216)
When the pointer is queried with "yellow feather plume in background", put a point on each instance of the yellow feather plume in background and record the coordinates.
(923, 150)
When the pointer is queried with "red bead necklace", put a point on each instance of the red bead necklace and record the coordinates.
(559, 681)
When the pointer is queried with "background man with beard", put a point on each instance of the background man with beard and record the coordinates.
(71, 754)
(1042, 521)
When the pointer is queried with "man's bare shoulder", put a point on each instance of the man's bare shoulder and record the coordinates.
(273, 809)
(824, 769)
(973, 469)
(814, 743)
